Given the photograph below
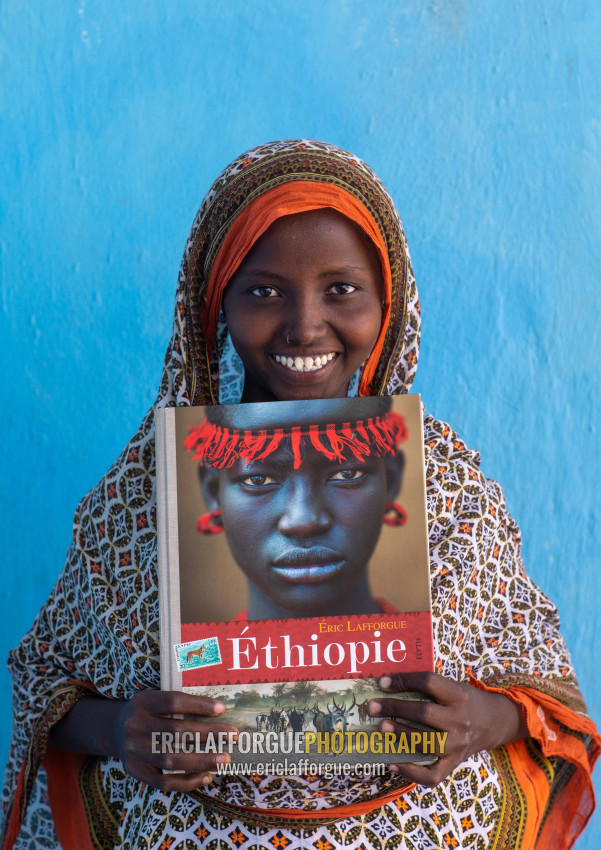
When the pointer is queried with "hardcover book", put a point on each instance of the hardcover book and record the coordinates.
(293, 567)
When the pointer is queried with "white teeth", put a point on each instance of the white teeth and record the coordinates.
(304, 364)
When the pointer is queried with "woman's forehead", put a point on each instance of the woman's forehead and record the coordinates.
(287, 414)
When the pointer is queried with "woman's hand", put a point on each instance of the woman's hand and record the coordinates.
(474, 720)
(124, 728)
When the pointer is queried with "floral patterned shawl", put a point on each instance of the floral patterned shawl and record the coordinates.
(98, 631)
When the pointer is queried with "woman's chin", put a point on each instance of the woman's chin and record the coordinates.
(315, 605)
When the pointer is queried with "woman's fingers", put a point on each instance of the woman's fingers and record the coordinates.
(417, 711)
(448, 703)
(471, 720)
(174, 745)
(437, 687)
(174, 731)
(428, 775)
(178, 702)
(163, 730)
(434, 745)
(173, 759)
(198, 776)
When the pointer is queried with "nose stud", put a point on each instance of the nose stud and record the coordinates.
(288, 338)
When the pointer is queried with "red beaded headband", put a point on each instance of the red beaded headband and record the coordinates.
(221, 447)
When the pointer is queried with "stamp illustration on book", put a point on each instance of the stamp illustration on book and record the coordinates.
(197, 653)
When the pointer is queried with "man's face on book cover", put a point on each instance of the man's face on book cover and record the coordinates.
(304, 537)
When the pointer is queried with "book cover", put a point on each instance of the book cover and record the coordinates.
(293, 567)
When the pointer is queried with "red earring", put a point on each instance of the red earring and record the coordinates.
(210, 523)
(398, 514)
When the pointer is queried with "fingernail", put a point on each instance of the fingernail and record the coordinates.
(222, 758)
(206, 779)
(386, 726)
(385, 682)
(394, 768)
(375, 707)
(218, 707)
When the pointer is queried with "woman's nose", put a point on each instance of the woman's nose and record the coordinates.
(305, 514)
(304, 322)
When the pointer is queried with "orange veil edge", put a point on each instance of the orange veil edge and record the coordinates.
(63, 770)
(295, 197)
(558, 827)
(66, 804)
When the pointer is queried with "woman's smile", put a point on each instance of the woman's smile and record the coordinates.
(304, 363)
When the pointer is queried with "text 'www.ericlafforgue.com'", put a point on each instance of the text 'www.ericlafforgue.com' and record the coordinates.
(302, 768)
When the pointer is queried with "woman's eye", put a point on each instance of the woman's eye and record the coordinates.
(265, 292)
(348, 475)
(343, 288)
(258, 480)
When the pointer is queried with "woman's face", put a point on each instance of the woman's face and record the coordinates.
(304, 308)
(303, 536)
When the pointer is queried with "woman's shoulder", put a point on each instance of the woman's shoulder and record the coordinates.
(129, 479)
(461, 499)
(448, 457)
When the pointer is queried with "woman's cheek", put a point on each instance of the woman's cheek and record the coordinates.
(244, 516)
(363, 513)
(363, 325)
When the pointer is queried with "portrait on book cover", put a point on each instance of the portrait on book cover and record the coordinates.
(301, 509)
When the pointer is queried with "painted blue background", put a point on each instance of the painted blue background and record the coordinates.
(482, 118)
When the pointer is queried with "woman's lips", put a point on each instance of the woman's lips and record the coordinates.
(306, 566)
(304, 363)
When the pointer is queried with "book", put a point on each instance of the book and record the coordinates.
(293, 568)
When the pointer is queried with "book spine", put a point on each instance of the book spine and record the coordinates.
(168, 546)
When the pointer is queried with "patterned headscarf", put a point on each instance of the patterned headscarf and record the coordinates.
(99, 629)
(258, 187)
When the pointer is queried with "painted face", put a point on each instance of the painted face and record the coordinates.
(305, 307)
(304, 537)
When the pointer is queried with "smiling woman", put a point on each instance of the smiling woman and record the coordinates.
(271, 271)
(304, 321)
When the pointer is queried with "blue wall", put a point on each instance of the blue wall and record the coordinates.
(481, 117)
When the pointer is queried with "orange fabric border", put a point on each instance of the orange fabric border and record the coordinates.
(571, 812)
(14, 824)
(65, 776)
(294, 197)
(67, 807)
(336, 813)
